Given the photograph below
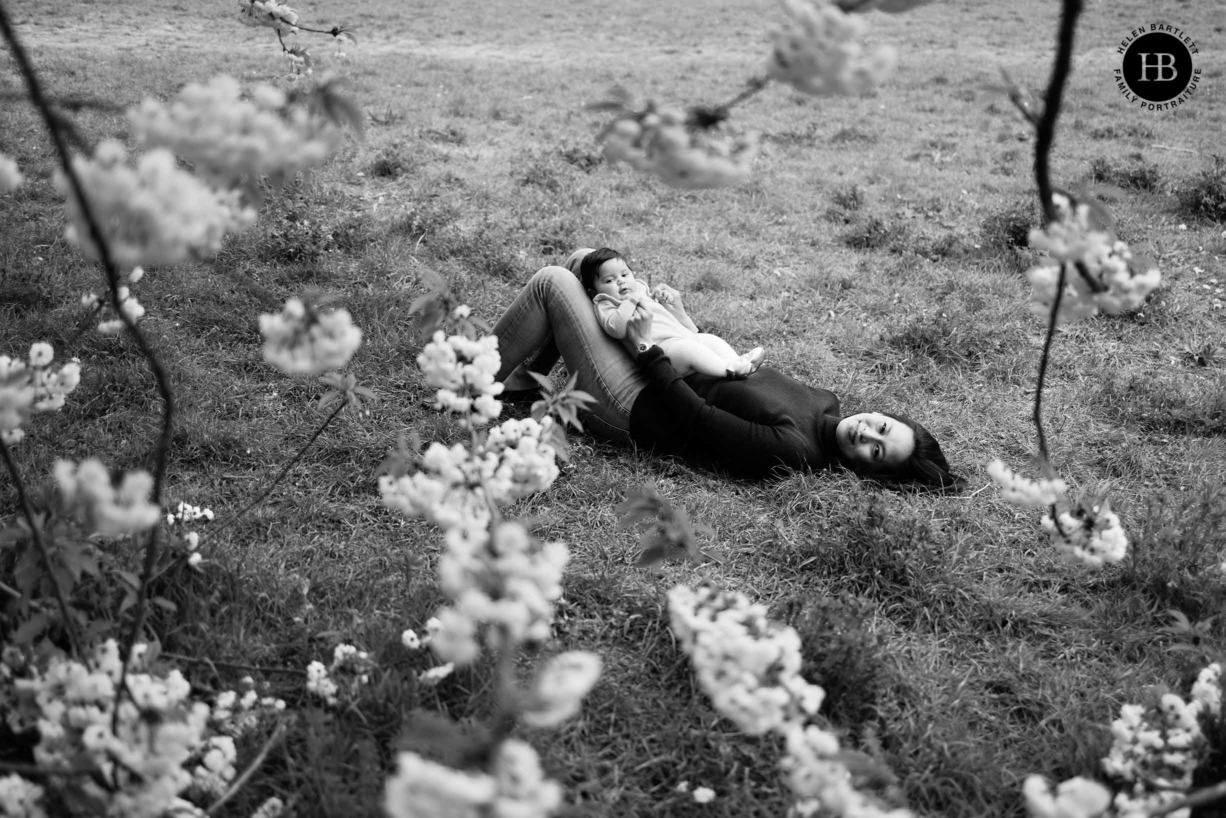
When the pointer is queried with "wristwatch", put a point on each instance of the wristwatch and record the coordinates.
(643, 348)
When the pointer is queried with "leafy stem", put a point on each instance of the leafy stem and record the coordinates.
(36, 533)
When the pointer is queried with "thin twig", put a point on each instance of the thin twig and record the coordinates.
(1045, 132)
(200, 660)
(239, 782)
(754, 86)
(36, 532)
(1173, 148)
(1199, 798)
(284, 471)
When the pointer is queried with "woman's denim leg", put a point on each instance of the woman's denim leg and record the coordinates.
(553, 315)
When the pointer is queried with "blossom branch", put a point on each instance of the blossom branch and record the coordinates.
(1199, 798)
(36, 533)
(105, 257)
(1045, 132)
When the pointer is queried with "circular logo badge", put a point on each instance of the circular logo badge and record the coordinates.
(1157, 66)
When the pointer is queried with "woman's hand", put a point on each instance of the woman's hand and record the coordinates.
(638, 329)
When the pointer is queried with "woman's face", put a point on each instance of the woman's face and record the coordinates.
(874, 440)
(614, 278)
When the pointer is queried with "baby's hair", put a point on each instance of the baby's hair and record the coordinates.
(589, 268)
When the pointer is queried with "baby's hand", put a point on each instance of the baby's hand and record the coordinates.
(666, 294)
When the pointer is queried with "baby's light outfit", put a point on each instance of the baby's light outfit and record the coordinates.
(613, 313)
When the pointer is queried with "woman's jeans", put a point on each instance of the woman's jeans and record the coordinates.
(553, 316)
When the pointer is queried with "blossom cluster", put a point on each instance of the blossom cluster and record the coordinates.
(818, 51)
(661, 143)
(463, 369)
(1091, 535)
(750, 667)
(341, 680)
(513, 786)
(150, 211)
(1088, 533)
(1155, 751)
(1156, 748)
(10, 174)
(560, 687)
(137, 755)
(228, 139)
(1100, 271)
(1022, 491)
(28, 386)
(454, 486)
(268, 14)
(103, 508)
(305, 340)
(502, 578)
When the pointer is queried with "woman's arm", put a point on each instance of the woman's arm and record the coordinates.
(693, 428)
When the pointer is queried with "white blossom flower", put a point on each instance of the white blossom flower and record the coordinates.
(436, 674)
(1022, 491)
(302, 340)
(149, 212)
(818, 51)
(1092, 536)
(560, 688)
(425, 788)
(1075, 798)
(228, 139)
(108, 510)
(1100, 271)
(704, 795)
(10, 175)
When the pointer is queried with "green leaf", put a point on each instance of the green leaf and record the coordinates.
(652, 555)
(28, 632)
(165, 604)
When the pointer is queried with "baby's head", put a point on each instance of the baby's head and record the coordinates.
(600, 277)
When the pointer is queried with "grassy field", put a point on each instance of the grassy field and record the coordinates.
(878, 251)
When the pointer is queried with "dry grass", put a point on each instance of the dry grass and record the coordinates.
(873, 253)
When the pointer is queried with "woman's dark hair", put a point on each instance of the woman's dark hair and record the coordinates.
(927, 463)
(589, 268)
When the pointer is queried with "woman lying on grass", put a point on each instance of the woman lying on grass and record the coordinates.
(752, 427)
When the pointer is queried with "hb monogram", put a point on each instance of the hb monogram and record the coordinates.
(1162, 63)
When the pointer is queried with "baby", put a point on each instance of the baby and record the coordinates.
(615, 294)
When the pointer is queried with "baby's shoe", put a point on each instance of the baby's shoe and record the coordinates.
(754, 358)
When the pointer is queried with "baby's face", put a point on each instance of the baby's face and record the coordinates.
(614, 278)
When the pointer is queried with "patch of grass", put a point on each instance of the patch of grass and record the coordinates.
(839, 653)
(1204, 197)
(392, 162)
(852, 135)
(1134, 174)
(875, 233)
(1165, 402)
(952, 338)
(1008, 228)
(1177, 551)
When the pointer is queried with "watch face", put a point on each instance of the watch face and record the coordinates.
(643, 347)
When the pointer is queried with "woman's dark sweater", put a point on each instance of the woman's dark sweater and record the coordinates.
(751, 428)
